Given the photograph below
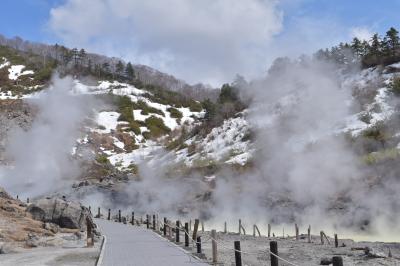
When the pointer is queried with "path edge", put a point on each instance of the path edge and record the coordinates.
(101, 255)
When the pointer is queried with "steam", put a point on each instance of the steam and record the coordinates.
(41, 156)
(305, 170)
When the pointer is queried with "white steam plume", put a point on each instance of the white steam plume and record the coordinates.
(41, 156)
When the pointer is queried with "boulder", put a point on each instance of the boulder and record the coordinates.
(63, 213)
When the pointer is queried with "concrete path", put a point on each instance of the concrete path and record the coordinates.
(138, 246)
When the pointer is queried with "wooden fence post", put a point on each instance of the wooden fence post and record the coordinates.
(169, 230)
(186, 234)
(240, 226)
(119, 216)
(198, 245)
(225, 229)
(196, 227)
(214, 246)
(177, 232)
(269, 230)
(165, 226)
(154, 222)
(296, 228)
(337, 261)
(133, 218)
(98, 212)
(273, 246)
(202, 226)
(90, 209)
(89, 233)
(109, 214)
(309, 234)
(258, 231)
(336, 241)
(238, 254)
(147, 221)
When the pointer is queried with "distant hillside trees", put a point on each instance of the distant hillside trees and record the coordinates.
(376, 51)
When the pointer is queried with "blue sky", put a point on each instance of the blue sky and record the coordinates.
(28, 18)
(143, 31)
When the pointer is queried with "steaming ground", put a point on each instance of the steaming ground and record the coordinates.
(41, 161)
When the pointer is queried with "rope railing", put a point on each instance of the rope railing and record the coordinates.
(230, 248)
(158, 224)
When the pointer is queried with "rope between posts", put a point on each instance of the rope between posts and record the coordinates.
(184, 230)
(248, 253)
(224, 246)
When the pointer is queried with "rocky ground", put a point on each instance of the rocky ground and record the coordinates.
(301, 252)
(45, 232)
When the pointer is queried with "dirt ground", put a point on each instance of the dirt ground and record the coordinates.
(299, 252)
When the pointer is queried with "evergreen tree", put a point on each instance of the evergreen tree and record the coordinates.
(81, 55)
(75, 55)
(105, 67)
(210, 110)
(130, 73)
(392, 39)
(357, 46)
(376, 45)
(119, 67)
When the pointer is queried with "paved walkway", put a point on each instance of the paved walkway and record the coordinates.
(138, 246)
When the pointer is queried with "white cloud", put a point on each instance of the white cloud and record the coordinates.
(362, 33)
(207, 40)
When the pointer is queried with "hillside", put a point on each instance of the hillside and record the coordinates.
(325, 123)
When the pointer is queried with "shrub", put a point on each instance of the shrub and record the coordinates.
(395, 86)
(175, 113)
(195, 106)
(146, 109)
(134, 127)
(126, 114)
(102, 159)
(379, 156)
(156, 126)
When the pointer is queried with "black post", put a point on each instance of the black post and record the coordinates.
(109, 214)
(238, 254)
(90, 209)
(147, 221)
(198, 245)
(98, 212)
(119, 216)
(337, 261)
(133, 218)
(336, 241)
(17, 197)
(154, 222)
(165, 226)
(273, 245)
(186, 234)
(177, 232)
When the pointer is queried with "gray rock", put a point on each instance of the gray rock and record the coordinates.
(32, 241)
(64, 213)
(52, 227)
(4, 194)
(326, 261)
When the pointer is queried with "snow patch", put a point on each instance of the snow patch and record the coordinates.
(16, 71)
